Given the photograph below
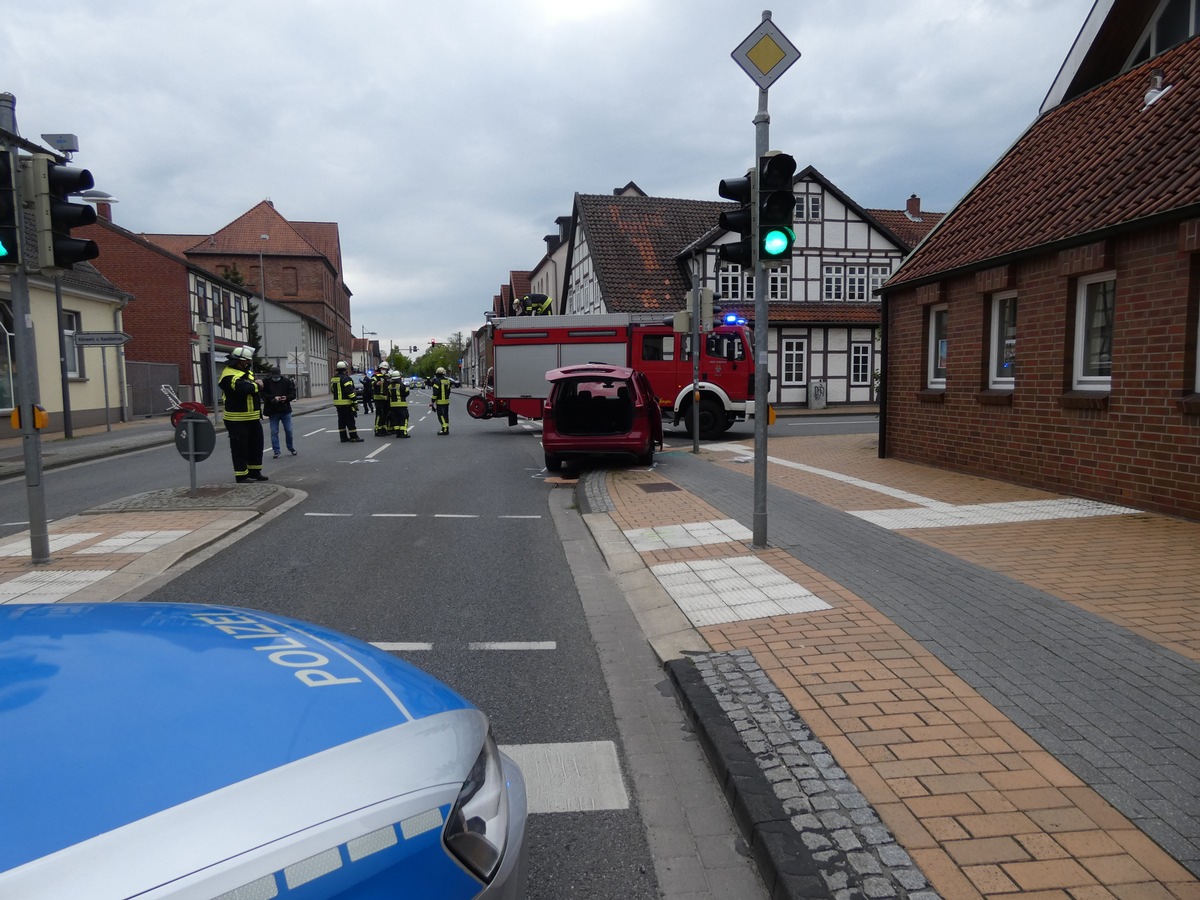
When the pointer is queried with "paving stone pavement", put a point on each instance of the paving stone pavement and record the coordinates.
(1029, 726)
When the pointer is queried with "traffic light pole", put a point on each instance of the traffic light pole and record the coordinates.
(762, 336)
(26, 357)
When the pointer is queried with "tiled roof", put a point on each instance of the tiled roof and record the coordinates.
(633, 242)
(178, 244)
(910, 231)
(244, 236)
(1096, 163)
(520, 282)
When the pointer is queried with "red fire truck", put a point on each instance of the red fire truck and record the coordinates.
(527, 347)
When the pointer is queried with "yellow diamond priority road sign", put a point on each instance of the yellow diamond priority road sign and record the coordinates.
(765, 54)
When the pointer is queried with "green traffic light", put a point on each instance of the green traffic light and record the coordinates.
(3, 250)
(778, 241)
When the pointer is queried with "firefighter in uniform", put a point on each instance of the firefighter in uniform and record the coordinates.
(345, 402)
(242, 398)
(398, 400)
(379, 389)
(441, 399)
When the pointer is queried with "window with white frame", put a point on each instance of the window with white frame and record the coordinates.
(735, 283)
(70, 325)
(1198, 360)
(793, 361)
(201, 301)
(879, 274)
(1002, 362)
(938, 346)
(1095, 310)
(860, 365)
(856, 284)
(833, 278)
(779, 283)
(808, 207)
(8, 367)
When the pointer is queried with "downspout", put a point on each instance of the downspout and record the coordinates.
(121, 388)
(883, 368)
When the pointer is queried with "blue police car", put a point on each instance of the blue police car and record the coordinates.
(173, 750)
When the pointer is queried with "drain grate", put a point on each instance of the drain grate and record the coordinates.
(658, 487)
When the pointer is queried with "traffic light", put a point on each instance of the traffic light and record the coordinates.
(776, 208)
(738, 220)
(49, 185)
(10, 233)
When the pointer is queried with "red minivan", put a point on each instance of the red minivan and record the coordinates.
(597, 409)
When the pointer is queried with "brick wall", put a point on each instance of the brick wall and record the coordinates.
(1140, 448)
(159, 316)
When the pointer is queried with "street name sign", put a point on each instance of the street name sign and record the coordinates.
(101, 338)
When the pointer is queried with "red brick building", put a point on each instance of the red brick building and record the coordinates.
(1048, 331)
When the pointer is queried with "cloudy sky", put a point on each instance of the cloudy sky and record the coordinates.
(444, 139)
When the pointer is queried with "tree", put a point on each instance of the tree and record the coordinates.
(234, 276)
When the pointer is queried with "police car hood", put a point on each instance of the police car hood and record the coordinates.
(112, 713)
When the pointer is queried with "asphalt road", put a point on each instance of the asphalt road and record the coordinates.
(446, 546)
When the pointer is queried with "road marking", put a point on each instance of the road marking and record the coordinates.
(520, 517)
(329, 515)
(394, 515)
(377, 451)
(454, 516)
(311, 433)
(512, 645)
(401, 646)
(578, 777)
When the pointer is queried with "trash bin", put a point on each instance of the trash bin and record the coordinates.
(816, 394)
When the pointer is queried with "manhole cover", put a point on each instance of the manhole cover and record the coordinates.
(658, 487)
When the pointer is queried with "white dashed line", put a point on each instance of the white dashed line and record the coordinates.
(401, 646)
(512, 645)
(578, 777)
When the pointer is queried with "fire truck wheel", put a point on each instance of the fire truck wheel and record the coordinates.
(553, 463)
(712, 419)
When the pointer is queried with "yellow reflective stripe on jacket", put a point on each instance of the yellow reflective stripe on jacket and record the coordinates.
(239, 406)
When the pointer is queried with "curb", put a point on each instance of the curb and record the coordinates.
(787, 869)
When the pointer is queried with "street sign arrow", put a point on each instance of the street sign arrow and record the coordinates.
(101, 338)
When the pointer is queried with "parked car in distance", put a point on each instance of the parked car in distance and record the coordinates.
(157, 750)
(598, 409)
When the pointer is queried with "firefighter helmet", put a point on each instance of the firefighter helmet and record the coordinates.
(241, 354)
(341, 367)
(441, 370)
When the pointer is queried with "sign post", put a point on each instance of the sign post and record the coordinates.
(764, 55)
(195, 438)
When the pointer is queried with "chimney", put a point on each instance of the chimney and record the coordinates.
(104, 211)
(913, 207)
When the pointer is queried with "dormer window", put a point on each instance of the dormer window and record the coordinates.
(1172, 23)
